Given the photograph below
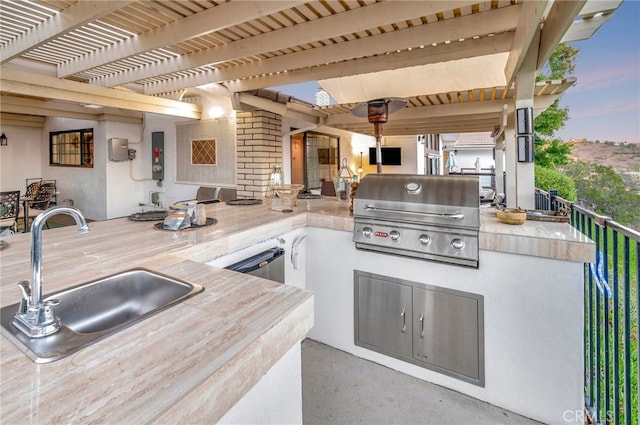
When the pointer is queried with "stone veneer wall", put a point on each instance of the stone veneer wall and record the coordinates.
(259, 149)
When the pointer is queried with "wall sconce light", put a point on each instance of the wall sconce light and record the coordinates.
(4, 140)
(360, 170)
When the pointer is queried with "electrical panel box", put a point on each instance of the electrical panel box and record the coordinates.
(157, 155)
(118, 149)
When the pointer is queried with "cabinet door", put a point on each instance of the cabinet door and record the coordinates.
(383, 316)
(446, 332)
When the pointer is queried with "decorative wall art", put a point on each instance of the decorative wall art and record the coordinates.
(203, 152)
(206, 152)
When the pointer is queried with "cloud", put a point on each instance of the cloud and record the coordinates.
(599, 78)
(611, 106)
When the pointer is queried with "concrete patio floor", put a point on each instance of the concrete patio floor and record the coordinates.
(339, 388)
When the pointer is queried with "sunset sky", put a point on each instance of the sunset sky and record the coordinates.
(605, 102)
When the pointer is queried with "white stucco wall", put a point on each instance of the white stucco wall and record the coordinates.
(85, 186)
(533, 320)
(275, 399)
(20, 159)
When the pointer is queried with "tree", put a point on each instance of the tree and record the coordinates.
(601, 189)
(561, 63)
(547, 179)
(551, 154)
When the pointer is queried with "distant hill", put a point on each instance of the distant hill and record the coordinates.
(624, 158)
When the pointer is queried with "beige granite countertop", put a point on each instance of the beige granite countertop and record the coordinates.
(234, 331)
(554, 240)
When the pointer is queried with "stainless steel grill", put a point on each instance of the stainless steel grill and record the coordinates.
(429, 217)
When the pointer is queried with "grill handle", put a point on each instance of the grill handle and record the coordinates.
(456, 216)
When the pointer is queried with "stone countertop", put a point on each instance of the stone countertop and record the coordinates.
(556, 240)
(234, 331)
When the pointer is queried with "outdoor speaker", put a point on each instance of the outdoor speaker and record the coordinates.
(525, 148)
(524, 121)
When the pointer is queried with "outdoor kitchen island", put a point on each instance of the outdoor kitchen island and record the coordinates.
(193, 361)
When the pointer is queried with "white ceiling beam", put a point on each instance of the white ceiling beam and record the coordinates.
(462, 125)
(26, 84)
(53, 108)
(430, 112)
(58, 110)
(305, 63)
(279, 108)
(58, 25)
(593, 7)
(205, 22)
(21, 120)
(559, 19)
(361, 19)
(530, 17)
(428, 55)
(585, 28)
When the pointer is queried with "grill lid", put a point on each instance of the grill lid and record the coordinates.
(462, 191)
(424, 199)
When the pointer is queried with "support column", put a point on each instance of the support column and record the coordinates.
(521, 184)
(259, 149)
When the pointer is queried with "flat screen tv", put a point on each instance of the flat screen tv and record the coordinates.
(390, 156)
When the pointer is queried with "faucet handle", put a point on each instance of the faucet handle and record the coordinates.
(25, 288)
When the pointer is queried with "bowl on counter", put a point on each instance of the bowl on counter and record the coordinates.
(511, 216)
(283, 197)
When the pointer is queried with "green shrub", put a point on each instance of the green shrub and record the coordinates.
(547, 179)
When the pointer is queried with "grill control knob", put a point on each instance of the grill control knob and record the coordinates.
(457, 244)
(367, 232)
(394, 235)
(425, 239)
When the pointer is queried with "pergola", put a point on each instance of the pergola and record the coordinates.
(462, 65)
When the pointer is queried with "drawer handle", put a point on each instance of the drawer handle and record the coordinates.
(403, 329)
(421, 320)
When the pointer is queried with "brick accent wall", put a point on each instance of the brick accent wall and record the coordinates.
(259, 149)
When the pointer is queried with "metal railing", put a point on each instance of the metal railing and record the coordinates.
(612, 302)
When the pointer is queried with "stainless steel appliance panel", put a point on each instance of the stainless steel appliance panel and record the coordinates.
(268, 264)
(424, 241)
(463, 191)
(430, 326)
(445, 331)
(383, 318)
(428, 217)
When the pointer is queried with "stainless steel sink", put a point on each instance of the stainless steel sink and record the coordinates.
(94, 310)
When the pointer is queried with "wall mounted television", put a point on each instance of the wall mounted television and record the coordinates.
(390, 156)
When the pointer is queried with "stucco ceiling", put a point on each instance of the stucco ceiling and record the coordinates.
(156, 56)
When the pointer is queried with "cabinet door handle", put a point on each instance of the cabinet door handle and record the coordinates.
(421, 320)
(403, 329)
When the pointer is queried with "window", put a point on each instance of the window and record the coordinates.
(72, 148)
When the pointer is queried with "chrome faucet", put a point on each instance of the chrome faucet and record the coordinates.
(36, 318)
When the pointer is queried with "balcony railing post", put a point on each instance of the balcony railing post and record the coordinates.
(627, 335)
(553, 203)
(605, 321)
